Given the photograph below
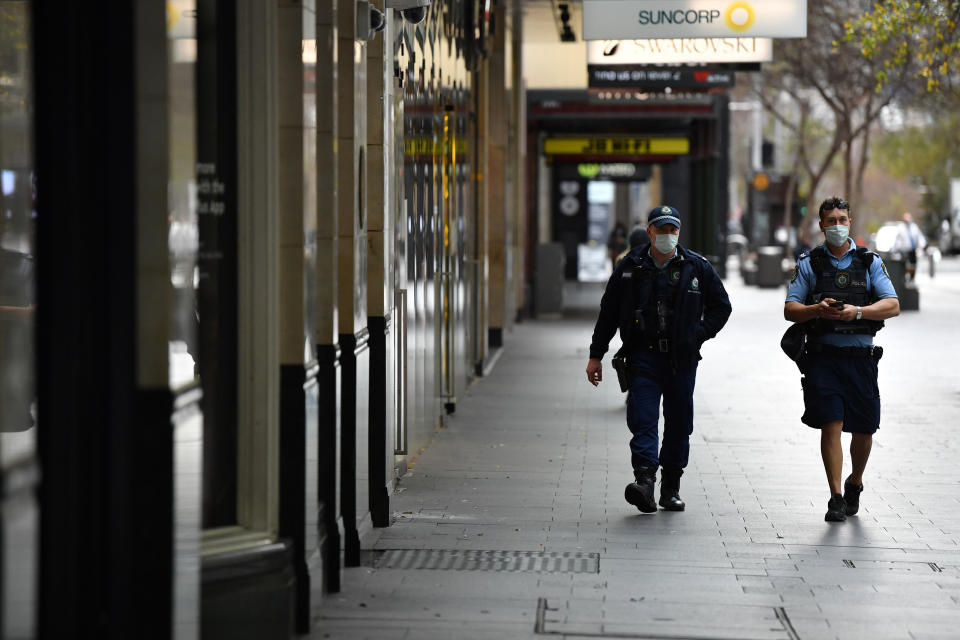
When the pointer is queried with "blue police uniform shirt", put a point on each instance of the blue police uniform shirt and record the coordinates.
(877, 282)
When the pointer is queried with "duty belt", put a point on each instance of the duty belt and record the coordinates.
(874, 351)
(661, 345)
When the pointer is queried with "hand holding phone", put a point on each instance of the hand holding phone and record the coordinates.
(836, 304)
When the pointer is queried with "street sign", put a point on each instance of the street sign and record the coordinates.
(632, 19)
(616, 146)
(761, 181)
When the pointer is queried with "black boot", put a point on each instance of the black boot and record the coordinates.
(640, 493)
(670, 490)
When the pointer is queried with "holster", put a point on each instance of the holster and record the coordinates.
(620, 365)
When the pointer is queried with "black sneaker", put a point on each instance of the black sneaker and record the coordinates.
(851, 496)
(836, 509)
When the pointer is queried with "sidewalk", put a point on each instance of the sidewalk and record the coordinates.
(533, 465)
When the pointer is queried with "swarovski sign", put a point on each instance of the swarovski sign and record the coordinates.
(680, 51)
(633, 19)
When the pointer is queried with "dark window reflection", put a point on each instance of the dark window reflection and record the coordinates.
(19, 521)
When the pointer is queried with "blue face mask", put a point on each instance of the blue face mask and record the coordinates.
(666, 242)
(837, 235)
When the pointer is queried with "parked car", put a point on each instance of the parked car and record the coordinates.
(884, 239)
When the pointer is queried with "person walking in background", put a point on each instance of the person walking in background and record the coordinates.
(842, 294)
(638, 235)
(666, 301)
(909, 241)
(617, 243)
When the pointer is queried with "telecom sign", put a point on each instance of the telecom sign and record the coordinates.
(680, 51)
(633, 19)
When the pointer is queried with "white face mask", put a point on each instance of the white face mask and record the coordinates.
(837, 235)
(666, 242)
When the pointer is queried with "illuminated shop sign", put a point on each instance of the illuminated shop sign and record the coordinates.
(680, 51)
(633, 19)
(592, 170)
(613, 76)
(616, 146)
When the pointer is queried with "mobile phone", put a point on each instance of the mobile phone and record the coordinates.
(836, 304)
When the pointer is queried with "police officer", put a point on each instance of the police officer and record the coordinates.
(843, 294)
(666, 301)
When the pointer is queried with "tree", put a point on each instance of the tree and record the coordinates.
(825, 92)
(920, 34)
(922, 38)
(928, 152)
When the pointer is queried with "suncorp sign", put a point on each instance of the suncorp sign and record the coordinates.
(635, 19)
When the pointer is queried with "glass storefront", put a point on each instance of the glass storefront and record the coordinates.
(17, 304)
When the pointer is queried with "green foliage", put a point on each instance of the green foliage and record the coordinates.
(929, 154)
(924, 34)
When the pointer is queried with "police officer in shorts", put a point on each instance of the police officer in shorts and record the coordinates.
(666, 301)
(842, 294)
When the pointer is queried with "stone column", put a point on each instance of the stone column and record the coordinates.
(352, 210)
(379, 268)
(327, 330)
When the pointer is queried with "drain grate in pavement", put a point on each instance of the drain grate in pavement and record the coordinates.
(687, 622)
(472, 560)
(849, 564)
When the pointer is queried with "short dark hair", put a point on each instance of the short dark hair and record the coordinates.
(833, 203)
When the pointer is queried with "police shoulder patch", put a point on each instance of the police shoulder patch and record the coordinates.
(796, 272)
(884, 267)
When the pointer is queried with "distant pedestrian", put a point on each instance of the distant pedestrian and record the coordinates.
(638, 235)
(909, 241)
(617, 242)
(842, 294)
(666, 301)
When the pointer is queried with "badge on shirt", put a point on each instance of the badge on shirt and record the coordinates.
(675, 275)
(842, 279)
(695, 283)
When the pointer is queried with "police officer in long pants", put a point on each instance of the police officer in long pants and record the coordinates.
(842, 294)
(666, 301)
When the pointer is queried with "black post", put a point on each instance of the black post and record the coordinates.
(293, 471)
(377, 442)
(328, 358)
(348, 449)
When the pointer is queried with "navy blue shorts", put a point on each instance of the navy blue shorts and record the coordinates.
(841, 388)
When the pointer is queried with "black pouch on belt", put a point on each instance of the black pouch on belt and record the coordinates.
(620, 365)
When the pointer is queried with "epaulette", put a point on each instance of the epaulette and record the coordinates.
(694, 254)
(867, 255)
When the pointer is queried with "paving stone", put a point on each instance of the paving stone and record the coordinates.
(537, 459)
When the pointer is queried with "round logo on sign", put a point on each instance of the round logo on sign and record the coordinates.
(842, 279)
(739, 15)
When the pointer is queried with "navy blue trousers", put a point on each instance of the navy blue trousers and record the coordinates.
(653, 379)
